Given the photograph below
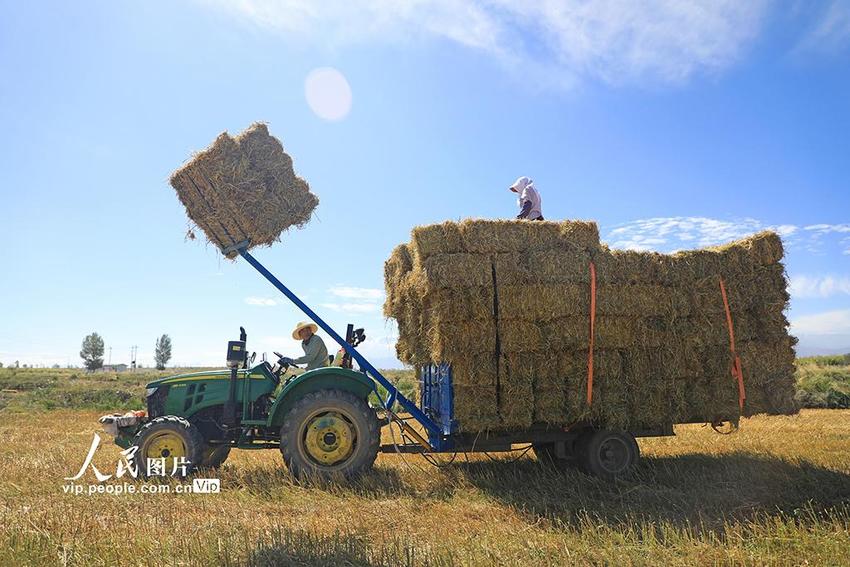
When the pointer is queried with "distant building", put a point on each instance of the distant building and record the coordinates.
(115, 367)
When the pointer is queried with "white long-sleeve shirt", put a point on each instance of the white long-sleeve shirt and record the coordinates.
(529, 193)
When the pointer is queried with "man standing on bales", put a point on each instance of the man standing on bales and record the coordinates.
(530, 204)
(315, 351)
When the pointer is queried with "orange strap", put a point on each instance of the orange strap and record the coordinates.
(737, 371)
(592, 333)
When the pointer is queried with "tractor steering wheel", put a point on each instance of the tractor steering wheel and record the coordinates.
(280, 366)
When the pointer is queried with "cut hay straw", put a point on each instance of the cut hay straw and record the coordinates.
(244, 188)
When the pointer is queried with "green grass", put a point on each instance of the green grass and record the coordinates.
(47, 388)
(824, 382)
(64, 388)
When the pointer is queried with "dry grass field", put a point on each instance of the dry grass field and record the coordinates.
(776, 492)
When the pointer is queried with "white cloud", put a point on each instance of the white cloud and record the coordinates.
(261, 301)
(830, 31)
(828, 228)
(828, 323)
(818, 231)
(617, 41)
(667, 234)
(352, 307)
(785, 229)
(364, 293)
(819, 286)
(355, 299)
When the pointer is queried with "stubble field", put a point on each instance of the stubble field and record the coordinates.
(777, 492)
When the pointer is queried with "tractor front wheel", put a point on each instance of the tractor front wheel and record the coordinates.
(329, 434)
(168, 446)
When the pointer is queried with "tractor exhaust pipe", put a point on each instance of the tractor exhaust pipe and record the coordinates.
(236, 356)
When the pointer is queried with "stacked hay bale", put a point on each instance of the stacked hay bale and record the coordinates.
(508, 304)
(244, 188)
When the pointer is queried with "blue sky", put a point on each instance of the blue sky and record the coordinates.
(672, 125)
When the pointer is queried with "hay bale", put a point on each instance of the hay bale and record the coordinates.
(549, 383)
(505, 236)
(543, 267)
(444, 238)
(764, 286)
(544, 302)
(396, 268)
(475, 370)
(398, 264)
(763, 248)
(507, 303)
(516, 393)
(459, 304)
(630, 267)
(475, 407)
(457, 270)
(455, 341)
(244, 188)
(608, 407)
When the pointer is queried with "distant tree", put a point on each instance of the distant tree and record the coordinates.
(1, 365)
(17, 364)
(55, 366)
(25, 365)
(162, 352)
(92, 351)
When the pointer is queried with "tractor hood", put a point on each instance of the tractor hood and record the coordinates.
(205, 375)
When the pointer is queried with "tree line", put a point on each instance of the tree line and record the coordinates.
(93, 348)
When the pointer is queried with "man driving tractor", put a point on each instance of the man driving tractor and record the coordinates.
(315, 351)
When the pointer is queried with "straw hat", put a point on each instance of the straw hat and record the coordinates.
(303, 325)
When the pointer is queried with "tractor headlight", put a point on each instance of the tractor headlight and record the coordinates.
(150, 392)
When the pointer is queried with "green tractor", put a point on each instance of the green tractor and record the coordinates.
(321, 420)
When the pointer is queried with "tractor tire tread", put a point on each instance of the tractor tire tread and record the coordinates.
(290, 428)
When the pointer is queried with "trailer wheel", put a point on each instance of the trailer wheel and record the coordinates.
(214, 455)
(170, 442)
(608, 454)
(329, 434)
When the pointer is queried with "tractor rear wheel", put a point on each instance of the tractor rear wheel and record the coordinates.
(171, 444)
(608, 454)
(214, 456)
(329, 434)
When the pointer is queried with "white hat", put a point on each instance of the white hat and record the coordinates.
(520, 184)
(303, 325)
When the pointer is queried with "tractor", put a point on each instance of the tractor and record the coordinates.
(321, 420)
